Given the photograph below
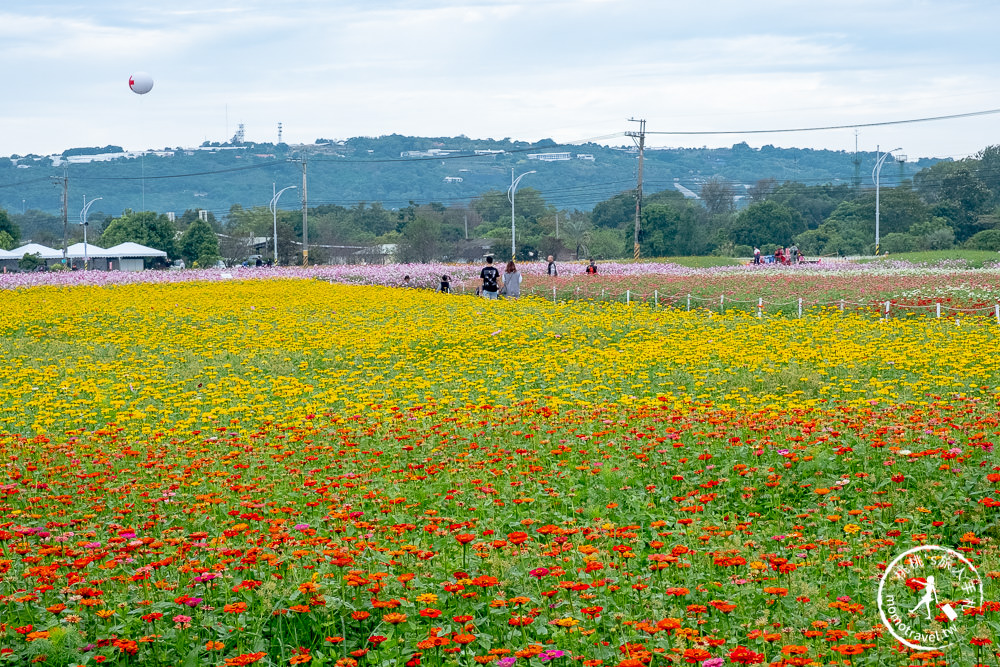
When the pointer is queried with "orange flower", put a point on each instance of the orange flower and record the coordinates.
(394, 618)
(245, 659)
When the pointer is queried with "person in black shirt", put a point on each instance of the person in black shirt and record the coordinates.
(552, 267)
(592, 268)
(445, 284)
(491, 279)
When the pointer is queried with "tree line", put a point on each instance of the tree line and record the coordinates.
(946, 205)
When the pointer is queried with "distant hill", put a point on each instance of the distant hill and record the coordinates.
(396, 170)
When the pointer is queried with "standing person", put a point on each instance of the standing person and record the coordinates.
(512, 281)
(756, 255)
(491, 279)
(445, 284)
(552, 267)
(592, 268)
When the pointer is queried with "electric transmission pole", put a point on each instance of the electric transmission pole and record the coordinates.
(305, 217)
(65, 213)
(640, 139)
(856, 180)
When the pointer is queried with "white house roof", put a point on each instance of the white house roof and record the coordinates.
(35, 248)
(76, 251)
(5, 254)
(130, 249)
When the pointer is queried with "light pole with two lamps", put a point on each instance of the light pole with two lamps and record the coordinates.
(876, 172)
(274, 211)
(510, 196)
(86, 223)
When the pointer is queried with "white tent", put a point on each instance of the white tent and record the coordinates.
(35, 249)
(76, 251)
(131, 255)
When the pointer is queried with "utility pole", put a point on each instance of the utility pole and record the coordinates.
(466, 226)
(856, 180)
(65, 214)
(640, 139)
(305, 217)
(557, 225)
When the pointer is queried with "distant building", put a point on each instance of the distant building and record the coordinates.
(431, 152)
(453, 179)
(550, 157)
(585, 156)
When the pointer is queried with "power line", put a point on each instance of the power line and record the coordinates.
(927, 119)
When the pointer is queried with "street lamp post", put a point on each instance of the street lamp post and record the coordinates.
(274, 212)
(510, 196)
(876, 172)
(86, 223)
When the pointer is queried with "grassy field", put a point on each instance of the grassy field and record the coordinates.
(286, 472)
(973, 259)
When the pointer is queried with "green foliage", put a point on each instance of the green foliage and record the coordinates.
(607, 244)
(814, 203)
(40, 227)
(718, 194)
(988, 239)
(898, 242)
(8, 227)
(766, 222)
(199, 244)
(30, 262)
(144, 227)
(676, 228)
(6, 241)
(421, 238)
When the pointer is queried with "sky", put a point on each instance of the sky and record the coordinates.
(569, 70)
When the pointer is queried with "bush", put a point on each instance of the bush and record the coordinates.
(743, 251)
(988, 239)
(898, 242)
(30, 262)
(940, 239)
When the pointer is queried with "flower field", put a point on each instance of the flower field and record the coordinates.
(295, 471)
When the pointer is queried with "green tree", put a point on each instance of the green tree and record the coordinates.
(144, 227)
(615, 212)
(492, 205)
(766, 222)
(421, 238)
(814, 203)
(6, 241)
(988, 239)
(199, 244)
(30, 262)
(606, 244)
(673, 229)
(719, 196)
(8, 227)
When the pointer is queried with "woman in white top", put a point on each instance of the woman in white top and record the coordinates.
(512, 281)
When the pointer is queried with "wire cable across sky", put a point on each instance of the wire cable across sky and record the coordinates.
(928, 119)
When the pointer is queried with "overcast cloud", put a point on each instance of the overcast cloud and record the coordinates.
(567, 70)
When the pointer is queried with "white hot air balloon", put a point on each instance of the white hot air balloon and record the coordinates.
(140, 83)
